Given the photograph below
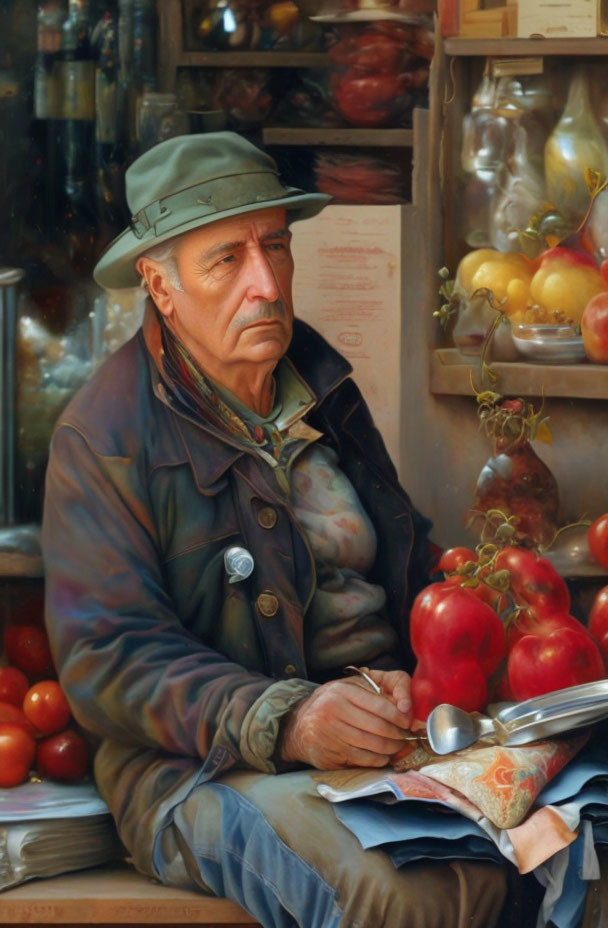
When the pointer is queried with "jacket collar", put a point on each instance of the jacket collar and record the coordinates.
(318, 364)
(321, 368)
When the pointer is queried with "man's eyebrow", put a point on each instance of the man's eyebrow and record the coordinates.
(219, 249)
(222, 247)
(277, 233)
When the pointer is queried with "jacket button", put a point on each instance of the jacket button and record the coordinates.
(290, 668)
(267, 604)
(267, 517)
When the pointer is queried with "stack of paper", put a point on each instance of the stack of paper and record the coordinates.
(50, 828)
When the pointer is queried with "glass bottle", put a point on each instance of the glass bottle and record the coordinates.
(527, 100)
(520, 194)
(575, 146)
(79, 220)
(47, 95)
(110, 153)
(159, 118)
(14, 122)
(137, 60)
(480, 142)
(105, 43)
(126, 72)
(77, 69)
(144, 44)
(483, 149)
(47, 178)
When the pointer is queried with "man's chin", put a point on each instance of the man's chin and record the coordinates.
(266, 342)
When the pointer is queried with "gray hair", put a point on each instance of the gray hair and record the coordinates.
(165, 254)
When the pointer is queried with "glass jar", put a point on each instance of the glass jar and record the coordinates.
(379, 72)
(159, 118)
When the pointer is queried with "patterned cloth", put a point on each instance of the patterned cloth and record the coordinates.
(501, 782)
(504, 782)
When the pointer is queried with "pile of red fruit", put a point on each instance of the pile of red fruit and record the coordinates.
(36, 733)
(499, 627)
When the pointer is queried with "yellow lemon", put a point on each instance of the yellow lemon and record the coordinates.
(565, 290)
(470, 263)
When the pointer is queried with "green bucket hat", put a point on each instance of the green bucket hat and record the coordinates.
(190, 181)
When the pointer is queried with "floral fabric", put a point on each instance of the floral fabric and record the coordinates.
(502, 782)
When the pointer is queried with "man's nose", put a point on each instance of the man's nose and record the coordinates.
(262, 278)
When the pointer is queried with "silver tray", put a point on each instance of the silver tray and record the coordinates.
(551, 714)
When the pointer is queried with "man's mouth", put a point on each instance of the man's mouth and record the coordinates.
(267, 314)
(262, 322)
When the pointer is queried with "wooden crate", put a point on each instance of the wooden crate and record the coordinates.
(482, 19)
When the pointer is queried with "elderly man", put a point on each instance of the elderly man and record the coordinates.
(214, 695)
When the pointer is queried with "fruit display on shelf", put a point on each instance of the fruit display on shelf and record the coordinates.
(38, 734)
(249, 25)
(543, 300)
(531, 201)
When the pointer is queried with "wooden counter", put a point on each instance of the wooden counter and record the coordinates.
(116, 896)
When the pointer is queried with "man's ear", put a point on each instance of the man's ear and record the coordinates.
(157, 282)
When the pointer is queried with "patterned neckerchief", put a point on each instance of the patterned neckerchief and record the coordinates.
(275, 437)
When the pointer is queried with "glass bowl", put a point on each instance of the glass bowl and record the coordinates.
(549, 344)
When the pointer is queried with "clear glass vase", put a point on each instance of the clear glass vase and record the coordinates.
(575, 147)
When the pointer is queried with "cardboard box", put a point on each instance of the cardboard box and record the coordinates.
(558, 19)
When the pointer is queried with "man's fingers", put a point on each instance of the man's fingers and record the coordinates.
(337, 755)
(396, 684)
(380, 707)
(343, 724)
(356, 736)
(359, 758)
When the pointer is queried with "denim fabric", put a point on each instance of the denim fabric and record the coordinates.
(239, 855)
(272, 844)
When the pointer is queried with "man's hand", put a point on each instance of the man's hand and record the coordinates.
(344, 724)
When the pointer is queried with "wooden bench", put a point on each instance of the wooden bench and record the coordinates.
(122, 897)
(116, 896)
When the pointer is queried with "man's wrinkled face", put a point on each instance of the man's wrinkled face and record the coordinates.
(236, 306)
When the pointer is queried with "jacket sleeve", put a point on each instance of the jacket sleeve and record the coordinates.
(131, 671)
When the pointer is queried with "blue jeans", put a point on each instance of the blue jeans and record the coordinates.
(273, 845)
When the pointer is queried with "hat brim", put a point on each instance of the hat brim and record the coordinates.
(115, 270)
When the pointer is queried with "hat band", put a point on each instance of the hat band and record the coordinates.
(212, 196)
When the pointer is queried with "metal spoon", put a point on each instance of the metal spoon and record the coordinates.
(449, 729)
(452, 729)
(372, 683)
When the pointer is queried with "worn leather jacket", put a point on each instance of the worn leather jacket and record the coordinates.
(177, 674)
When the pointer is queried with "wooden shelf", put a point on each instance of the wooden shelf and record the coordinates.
(381, 138)
(252, 59)
(20, 553)
(526, 47)
(451, 375)
(15, 564)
